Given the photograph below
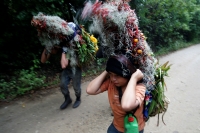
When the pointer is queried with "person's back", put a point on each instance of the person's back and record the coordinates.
(70, 66)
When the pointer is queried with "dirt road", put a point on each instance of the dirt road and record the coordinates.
(42, 114)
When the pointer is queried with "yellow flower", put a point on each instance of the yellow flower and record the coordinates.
(93, 39)
(96, 48)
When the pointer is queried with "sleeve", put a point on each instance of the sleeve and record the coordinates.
(140, 93)
(104, 86)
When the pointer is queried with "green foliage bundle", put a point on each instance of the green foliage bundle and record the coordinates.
(87, 49)
(159, 103)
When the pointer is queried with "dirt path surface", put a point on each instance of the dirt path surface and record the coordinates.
(42, 114)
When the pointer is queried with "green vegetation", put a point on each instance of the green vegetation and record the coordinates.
(168, 25)
(168, 22)
(176, 46)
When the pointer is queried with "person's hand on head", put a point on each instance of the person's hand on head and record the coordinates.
(138, 75)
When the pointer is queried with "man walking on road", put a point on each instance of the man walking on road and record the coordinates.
(69, 72)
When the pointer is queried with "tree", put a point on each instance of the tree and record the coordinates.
(165, 21)
(19, 44)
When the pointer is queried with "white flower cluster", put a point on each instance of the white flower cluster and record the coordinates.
(53, 26)
(117, 26)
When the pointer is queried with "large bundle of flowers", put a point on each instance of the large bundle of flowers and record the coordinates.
(117, 25)
(54, 31)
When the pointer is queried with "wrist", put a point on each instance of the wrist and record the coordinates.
(134, 77)
(64, 50)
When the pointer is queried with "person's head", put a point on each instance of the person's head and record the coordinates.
(120, 69)
(118, 80)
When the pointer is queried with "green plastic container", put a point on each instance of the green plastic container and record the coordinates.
(131, 124)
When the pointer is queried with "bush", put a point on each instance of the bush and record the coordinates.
(20, 83)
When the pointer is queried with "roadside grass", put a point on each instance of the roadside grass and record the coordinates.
(25, 82)
(174, 47)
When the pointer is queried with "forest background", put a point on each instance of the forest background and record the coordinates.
(168, 25)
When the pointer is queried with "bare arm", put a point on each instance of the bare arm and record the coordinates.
(45, 56)
(94, 86)
(129, 101)
(64, 61)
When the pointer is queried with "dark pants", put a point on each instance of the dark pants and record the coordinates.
(67, 75)
(112, 129)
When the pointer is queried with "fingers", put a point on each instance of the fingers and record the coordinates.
(138, 74)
